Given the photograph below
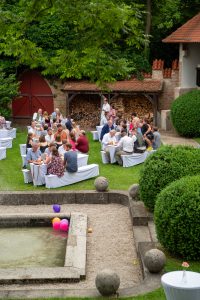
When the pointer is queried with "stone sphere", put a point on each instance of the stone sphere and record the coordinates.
(107, 282)
(101, 184)
(154, 260)
(133, 192)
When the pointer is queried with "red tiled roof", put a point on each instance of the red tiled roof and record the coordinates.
(133, 85)
(187, 33)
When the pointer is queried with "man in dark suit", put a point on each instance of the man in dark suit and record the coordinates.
(106, 128)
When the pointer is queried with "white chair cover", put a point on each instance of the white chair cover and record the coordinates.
(133, 159)
(99, 128)
(27, 176)
(104, 157)
(38, 173)
(82, 159)
(22, 149)
(2, 153)
(3, 133)
(8, 124)
(83, 173)
(12, 133)
(95, 135)
(6, 142)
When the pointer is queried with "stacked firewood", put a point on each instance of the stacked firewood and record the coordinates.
(86, 109)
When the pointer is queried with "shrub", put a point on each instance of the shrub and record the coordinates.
(164, 166)
(177, 217)
(185, 114)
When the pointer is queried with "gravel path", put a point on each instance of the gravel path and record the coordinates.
(110, 245)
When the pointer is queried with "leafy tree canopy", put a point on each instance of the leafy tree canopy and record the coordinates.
(98, 40)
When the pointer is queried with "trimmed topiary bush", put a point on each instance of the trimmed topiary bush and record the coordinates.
(177, 217)
(185, 114)
(164, 166)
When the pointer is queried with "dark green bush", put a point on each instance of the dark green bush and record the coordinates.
(164, 166)
(185, 114)
(177, 217)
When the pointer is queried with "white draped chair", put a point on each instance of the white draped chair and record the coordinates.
(2, 153)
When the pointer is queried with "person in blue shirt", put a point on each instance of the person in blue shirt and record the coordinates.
(106, 128)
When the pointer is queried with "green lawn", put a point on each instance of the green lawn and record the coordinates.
(11, 177)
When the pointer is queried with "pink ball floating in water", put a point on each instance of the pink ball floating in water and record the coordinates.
(64, 226)
(56, 208)
(65, 221)
(56, 225)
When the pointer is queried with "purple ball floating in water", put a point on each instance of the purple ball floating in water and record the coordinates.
(56, 208)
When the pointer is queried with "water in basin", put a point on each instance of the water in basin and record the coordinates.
(32, 247)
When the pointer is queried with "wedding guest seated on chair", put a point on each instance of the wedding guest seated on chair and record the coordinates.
(49, 137)
(43, 143)
(60, 132)
(38, 117)
(62, 149)
(106, 129)
(109, 139)
(126, 146)
(82, 143)
(58, 141)
(34, 154)
(156, 139)
(49, 150)
(70, 159)
(29, 141)
(72, 140)
(55, 166)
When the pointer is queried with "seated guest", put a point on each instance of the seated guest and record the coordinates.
(49, 137)
(134, 121)
(46, 119)
(82, 143)
(43, 143)
(55, 166)
(62, 149)
(44, 130)
(29, 141)
(156, 138)
(68, 124)
(126, 146)
(70, 159)
(106, 129)
(60, 132)
(58, 141)
(49, 150)
(34, 154)
(33, 128)
(57, 113)
(147, 134)
(38, 117)
(75, 129)
(108, 139)
(72, 140)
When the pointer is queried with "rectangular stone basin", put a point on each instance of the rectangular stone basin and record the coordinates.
(32, 252)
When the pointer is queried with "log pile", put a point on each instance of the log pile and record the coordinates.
(86, 109)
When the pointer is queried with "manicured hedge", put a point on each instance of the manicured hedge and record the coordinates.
(164, 166)
(185, 114)
(177, 217)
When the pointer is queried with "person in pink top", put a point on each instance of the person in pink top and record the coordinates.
(72, 140)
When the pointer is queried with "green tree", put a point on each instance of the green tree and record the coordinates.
(74, 39)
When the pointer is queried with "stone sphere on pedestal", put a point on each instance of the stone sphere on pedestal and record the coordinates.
(133, 192)
(107, 282)
(101, 184)
(154, 260)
